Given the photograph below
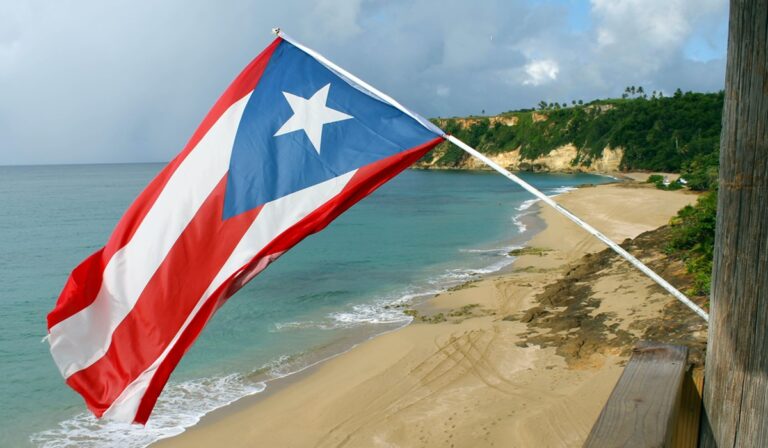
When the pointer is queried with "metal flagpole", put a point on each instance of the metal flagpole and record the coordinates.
(475, 153)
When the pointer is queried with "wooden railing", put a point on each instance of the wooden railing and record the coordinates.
(656, 402)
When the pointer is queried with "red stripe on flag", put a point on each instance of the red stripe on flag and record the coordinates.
(365, 181)
(165, 303)
(84, 283)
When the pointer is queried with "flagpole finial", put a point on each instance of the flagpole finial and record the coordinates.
(276, 31)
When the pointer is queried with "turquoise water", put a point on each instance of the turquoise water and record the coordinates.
(420, 233)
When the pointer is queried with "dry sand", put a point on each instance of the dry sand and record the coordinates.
(525, 359)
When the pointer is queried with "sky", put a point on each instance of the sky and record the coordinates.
(129, 81)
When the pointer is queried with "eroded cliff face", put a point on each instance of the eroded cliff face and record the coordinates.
(563, 159)
(467, 122)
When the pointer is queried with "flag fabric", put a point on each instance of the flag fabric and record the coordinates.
(291, 144)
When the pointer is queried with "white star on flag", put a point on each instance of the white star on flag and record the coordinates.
(310, 115)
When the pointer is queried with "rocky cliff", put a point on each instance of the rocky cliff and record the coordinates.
(564, 159)
(660, 133)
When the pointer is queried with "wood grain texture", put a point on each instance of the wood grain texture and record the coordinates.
(686, 433)
(642, 409)
(736, 384)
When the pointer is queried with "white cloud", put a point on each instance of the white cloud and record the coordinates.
(326, 18)
(129, 80)
(644, 34)
(655, 22)
(9, 52)
(11, 18)
(541, 72)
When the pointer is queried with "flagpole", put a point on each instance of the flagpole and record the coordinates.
(530, 188)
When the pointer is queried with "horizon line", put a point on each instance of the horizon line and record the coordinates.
(22, 165)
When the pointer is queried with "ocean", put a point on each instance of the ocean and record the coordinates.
(421, 233)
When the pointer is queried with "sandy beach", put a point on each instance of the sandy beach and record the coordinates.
(525, 358)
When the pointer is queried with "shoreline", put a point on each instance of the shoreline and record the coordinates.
(318, 356)
(481, 308)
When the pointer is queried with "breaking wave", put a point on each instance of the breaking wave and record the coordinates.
(180, 406)
(183, 404)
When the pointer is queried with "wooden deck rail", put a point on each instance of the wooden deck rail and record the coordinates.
(655, 403)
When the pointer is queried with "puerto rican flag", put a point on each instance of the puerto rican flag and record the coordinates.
(290, 145)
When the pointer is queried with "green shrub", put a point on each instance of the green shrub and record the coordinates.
(693, 239)
(676, 185)
(655, 179)
(701, 171)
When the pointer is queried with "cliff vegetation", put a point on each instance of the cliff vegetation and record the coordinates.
(678, 133)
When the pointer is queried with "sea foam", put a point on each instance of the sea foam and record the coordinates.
(180, 406)
(183, 404)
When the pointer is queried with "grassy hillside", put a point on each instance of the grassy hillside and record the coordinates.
(679, 133)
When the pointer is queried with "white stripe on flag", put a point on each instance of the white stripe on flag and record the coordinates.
(275, 218)
(83, 338)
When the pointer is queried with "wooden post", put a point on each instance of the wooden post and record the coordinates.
(736, 379)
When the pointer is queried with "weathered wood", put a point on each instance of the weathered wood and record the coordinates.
(642, 409)
(686, 433)
(736, 380)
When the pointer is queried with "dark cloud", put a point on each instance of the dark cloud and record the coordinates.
(129, 81)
